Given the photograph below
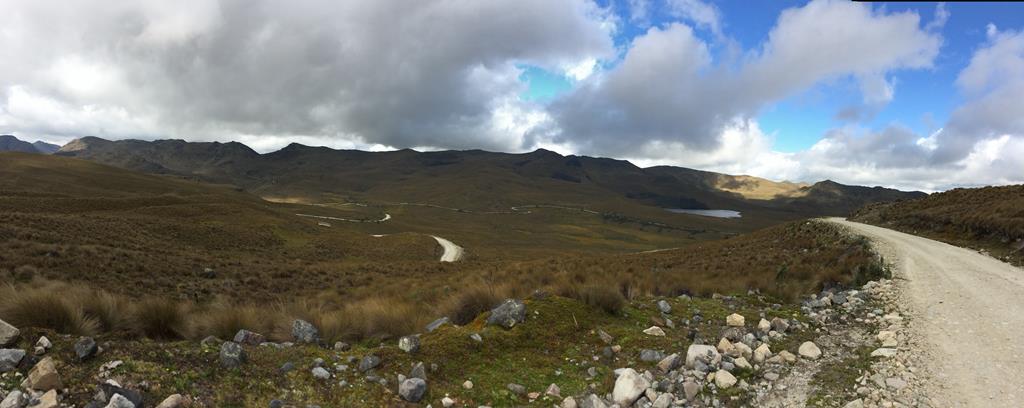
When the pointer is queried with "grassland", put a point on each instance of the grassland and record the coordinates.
(989, 218)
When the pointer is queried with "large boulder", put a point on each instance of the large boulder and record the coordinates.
(305, 332)
(412, 389)
(232, 354)
(8, 334)
(508, 314)
(9, 359)
(628, 387)
(43, 377)
(697, 350)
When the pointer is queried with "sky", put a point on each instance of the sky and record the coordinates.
(924, 96)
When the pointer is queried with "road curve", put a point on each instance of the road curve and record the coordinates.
(452, 252)
(969, 308)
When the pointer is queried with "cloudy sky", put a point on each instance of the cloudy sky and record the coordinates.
(923, 96)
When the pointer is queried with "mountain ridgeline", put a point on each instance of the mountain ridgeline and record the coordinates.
(10, 143)
(472, 179)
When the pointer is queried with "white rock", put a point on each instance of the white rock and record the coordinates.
(787, 356)
(654, 331)
(743, 363)
(174, 401)
(628, 387)
(764, 326)
(884, 352)
(724, 379)
(762, 353)
(447, 402)
(857, 403)
(888, 338)
(699, 350)
(809, 350)
(741, 350)
(119, 401)
(467, 385)
(724, 346)
(569, 402)
(663, 401)
(735, 320)
(16, 399)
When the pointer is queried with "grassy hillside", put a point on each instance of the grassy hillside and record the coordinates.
(991, 218)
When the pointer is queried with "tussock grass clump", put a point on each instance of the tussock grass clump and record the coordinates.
(224, 319)
(604, 297)
(470, 302)
(45, 309)
(159, 318)
(379, 319)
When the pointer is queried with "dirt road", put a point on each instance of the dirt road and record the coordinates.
(969, 309)
(452, 252)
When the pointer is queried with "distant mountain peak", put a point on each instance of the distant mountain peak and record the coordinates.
(10, 143)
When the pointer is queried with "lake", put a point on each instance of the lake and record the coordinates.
(707, 213)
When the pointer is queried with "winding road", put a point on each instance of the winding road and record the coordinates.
(452, 252)
(969, 309)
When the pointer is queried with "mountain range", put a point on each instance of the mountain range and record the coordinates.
(10, 143)
(472, 179)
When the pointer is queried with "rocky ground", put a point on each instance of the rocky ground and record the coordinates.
(839, 349)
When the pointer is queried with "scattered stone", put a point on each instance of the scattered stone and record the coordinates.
(305, 332)
(888, 338)
(787, 356)
(857, 403)
(690, 389)
(762, 353)
(210, 341)
(654, 331)
(110, 388)
(696, 350)
(780, 325)
(341, 346)
(447, 402)
(85, 348)
(735, 320)
(724, 379)
(16, 399)
(651, 356)
(516, 389)
(368, 363)
(409, 344)
(664, 307)
(476, 337)
(418, 371)
(467, 385)
(287, 367)
(8, 334)
(628, 387)
(434, 325)
(743, 364)
(809, 350)
(119, 401)
(44, 343)
(9, 359)
(605, 337)
(672, 362)
(569, 402)
(764, 326)
(508, 314)
(412, 389)
(208, 273)
(232, 355)
(321, 374)
(553, 391)
(43, 376)
(770, 376)
(49, 400)
(884, 353)
(725, 346)
(251, 338)
(175, 401)
(593, 401)
(895, 383)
